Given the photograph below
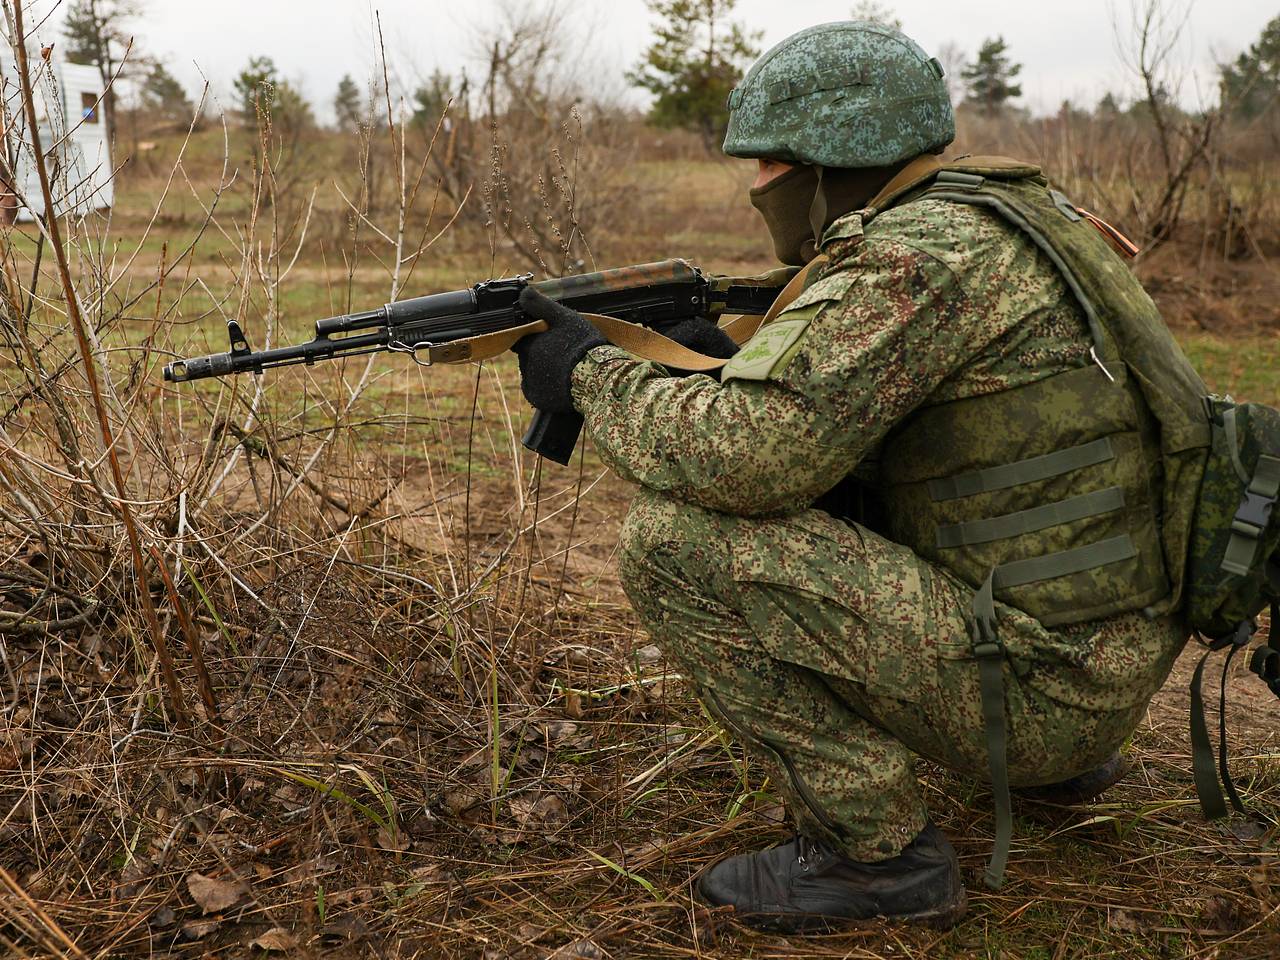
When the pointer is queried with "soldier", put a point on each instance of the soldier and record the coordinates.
(965, 348)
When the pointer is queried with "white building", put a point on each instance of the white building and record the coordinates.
(73, 133)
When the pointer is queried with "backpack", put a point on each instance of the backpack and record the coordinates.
(1233, 571)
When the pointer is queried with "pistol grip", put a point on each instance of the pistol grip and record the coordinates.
(553, 435)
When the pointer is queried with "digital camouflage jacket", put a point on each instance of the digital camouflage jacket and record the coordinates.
(936, 301)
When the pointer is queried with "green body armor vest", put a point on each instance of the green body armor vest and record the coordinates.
(1070, 498)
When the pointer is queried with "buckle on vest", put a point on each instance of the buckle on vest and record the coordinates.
(1253, 515)
(988, 649)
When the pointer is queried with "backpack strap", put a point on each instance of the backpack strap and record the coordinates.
(989, 653)
(1265, 664)
(920, 170)
(1202, 761)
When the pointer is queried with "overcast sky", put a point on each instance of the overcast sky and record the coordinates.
(1068, 50)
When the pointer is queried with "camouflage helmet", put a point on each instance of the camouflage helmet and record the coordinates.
(846, 94)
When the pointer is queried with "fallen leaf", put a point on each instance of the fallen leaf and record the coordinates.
(338, 898)
(395, 840)
(580, 656)
(429, 873)
(1122, 921)
(649, 654)
(133, 877)
(528, 810)
(310, 869)
(213, 895)
(344, 928)
(277, 938)
(573, 704)
(529, 932)
(198, 929)
(646, 847)
(1226, 913)
(559, 729)
(461, 799)
(1245, 829)
(774, 813)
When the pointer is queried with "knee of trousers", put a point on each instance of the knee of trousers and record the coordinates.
(666, 542)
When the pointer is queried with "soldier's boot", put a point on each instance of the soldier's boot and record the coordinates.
(804, 886)
(1078, 789)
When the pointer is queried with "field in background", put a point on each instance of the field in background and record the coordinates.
(427, 723)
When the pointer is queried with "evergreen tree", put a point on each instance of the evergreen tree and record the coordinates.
(164, 95)
(431, 98)
(290, 109)
(97, 34)
(1161, 98)
(255, 88)
(989, 78)
(1251, 85)
(346, 104)
(875, 12)
(698, 56)
(261, 93)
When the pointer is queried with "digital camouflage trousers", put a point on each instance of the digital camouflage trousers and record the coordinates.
(835, 657)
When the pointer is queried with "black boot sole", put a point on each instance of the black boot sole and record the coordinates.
(943, 917)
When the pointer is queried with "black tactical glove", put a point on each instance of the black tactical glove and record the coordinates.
(547, 359)
(703, 336)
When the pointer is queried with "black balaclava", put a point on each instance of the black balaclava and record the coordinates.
(799, 205)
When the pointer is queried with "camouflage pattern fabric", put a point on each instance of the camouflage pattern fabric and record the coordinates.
(935, 302)
(845, 94)
(1220, 596)
(833, 653)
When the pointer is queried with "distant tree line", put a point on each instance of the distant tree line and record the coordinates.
(698, 54)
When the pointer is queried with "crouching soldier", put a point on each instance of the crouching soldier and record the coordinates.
(966, 349)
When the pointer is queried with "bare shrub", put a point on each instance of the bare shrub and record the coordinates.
(247, 599)
(540, 159)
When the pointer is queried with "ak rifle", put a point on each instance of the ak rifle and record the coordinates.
(462, 325)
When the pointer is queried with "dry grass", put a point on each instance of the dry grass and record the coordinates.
(431, 725)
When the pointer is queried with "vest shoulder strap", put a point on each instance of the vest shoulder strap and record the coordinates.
(927, 167)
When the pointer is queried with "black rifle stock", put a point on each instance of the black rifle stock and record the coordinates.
(656, 295)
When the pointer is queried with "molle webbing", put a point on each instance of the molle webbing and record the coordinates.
(1262, 488)
(1023, 471)
(1032, 519)
(1068, 467)
(1123, 323)
(1016, 573)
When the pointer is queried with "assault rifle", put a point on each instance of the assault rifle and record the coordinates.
(468, 324)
